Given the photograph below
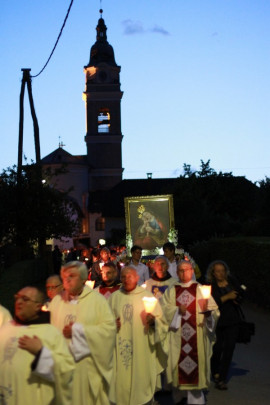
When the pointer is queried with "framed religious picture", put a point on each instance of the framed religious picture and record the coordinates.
(149, 219)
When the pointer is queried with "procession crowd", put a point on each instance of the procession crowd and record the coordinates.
(118, 331)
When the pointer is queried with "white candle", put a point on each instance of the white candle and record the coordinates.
(90, 283)
(149, 304)
(206, 291)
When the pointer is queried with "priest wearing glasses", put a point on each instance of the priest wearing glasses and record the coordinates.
(36, 366)
(192, 319)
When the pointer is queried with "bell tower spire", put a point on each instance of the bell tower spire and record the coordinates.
(102, 97)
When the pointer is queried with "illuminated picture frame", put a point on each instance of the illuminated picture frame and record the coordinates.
(149, 220)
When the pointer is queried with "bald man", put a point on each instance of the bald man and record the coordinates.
(192, 321)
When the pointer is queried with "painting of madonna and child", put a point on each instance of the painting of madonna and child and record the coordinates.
(149, 220)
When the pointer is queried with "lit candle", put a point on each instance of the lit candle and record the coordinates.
(149, 304)
(206, 291)
(90, 283)
(44, 308)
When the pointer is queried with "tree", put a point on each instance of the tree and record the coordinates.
(187, 171)
(212, 204)
(34, 211)
(206, 170)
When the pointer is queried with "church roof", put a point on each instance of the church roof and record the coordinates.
(111, 203)
(61, 156)
(101, 51)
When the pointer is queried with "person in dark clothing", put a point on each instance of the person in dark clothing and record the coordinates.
(97, 266)
(57, 259)
(225, 291)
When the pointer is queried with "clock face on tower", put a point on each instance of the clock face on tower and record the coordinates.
(102, 76)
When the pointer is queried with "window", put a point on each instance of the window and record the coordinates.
(104, 120)
(100, 224)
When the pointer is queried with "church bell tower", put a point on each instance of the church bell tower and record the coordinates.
(103, 113)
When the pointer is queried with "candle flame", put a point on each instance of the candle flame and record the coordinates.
(90, 283)
(206, 291)
(149, 304)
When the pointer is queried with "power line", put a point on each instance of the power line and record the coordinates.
(55, 45)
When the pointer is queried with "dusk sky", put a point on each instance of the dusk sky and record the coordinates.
(195, 76)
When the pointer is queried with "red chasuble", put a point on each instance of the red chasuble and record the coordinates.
(188, 361)
(107, 291)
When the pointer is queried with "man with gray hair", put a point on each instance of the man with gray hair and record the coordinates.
(86, 320)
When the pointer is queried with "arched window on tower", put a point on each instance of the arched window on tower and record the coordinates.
(104, 120)
(100, 224)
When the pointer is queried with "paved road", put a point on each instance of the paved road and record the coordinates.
(249, 381)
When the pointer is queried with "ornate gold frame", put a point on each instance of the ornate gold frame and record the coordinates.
(160, 205)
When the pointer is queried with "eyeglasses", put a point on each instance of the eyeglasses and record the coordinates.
(52, 287)
(24, 298)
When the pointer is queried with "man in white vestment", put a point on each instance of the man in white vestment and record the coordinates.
(86, 320)
(4, 315)
(140, 352)
(192, 321)
(36, 365)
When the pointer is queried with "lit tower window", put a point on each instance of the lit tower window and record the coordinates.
(104, 120)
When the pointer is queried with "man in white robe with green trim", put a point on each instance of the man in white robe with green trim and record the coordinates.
(36, 365)
(192, 320)
(141, 351)
(4, 315)
(86, 320)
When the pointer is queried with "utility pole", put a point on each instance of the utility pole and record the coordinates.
(37, 174)
(27, 80)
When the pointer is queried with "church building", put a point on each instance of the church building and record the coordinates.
(101, 168)
(96, 178)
